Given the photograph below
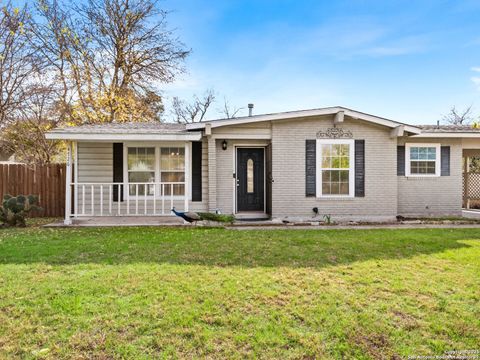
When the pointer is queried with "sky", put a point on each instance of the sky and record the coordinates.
(409, 61)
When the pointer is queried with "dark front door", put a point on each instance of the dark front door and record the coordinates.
(250, 179)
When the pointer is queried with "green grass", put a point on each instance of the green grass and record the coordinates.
(202, 292)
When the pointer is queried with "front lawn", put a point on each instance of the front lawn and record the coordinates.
(190, 293)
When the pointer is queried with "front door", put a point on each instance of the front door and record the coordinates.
(250, 179)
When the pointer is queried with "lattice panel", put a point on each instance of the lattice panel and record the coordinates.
(473, 186)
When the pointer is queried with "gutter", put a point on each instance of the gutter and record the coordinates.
(449, 135)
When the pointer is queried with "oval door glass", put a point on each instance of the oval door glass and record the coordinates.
(250, 176)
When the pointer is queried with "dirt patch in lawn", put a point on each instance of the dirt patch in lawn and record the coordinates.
(376, 345)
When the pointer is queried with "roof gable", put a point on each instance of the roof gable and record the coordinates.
(302, 114)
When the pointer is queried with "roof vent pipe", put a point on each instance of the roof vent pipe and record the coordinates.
(250, 109)
(438, 124)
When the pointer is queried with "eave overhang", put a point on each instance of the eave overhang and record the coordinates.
(107, 137)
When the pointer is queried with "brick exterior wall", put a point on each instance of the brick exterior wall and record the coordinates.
(288, 159)
(435, 196)
(386, 194)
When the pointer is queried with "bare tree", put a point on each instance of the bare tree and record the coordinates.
(109, 55)
(25, 136)
(228, 111)
(195, 111)
(57, 40)
(456, 117)
(18, 62)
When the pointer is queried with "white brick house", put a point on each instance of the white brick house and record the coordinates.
(342, 162)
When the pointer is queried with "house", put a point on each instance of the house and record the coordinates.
(6, 155)
(345, 163)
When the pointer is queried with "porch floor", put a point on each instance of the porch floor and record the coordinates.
(123, 221)
(471, 213)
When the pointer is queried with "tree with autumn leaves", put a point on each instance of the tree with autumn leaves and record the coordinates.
(95, 62)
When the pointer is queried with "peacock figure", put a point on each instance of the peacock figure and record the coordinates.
(190, 216)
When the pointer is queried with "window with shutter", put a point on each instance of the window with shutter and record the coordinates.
(422, 159)
(118, 171)
(197, 171)
(310, 167)
(445, 161)
(335, 168)
(359, 168)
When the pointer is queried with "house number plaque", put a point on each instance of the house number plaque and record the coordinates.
(334, 133)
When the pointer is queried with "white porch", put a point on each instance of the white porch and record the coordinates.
(127, 175)
(127, 179)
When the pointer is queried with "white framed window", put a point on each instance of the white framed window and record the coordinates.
(155, 164)
(422, 159)
(250, 175)
(172, 169)
(335, 168)
(141, 169)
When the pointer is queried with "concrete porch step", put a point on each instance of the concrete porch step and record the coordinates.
(251, 216)
(123, 221)
(471, 214)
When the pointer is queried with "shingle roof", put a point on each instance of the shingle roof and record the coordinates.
(171, 130)
(126, 128)
(448, 129)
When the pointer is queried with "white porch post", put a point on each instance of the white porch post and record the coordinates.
(75, 179)
(188, 149)
(212, 174)
(466, 195)
(68, 188)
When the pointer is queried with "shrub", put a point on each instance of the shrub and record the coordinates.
(327, 218)
(15, 209)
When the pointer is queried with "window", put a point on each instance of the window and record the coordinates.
(155, 165)
(141, 169)
(423, 160)
(335, 172)
(172, 167)
(250, 176)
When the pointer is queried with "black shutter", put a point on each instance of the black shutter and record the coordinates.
(117, 170)
(401, 160)
(445, 161)
(197, 171)
(310, 168)
(359, 168)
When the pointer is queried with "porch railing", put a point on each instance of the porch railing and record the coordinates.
(128, 199)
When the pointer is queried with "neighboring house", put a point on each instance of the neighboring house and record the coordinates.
(346, 163)
(6, 156)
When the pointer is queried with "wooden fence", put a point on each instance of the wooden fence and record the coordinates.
(46, 181)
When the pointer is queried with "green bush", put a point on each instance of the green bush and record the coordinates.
(15, 209)
(217, 217)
